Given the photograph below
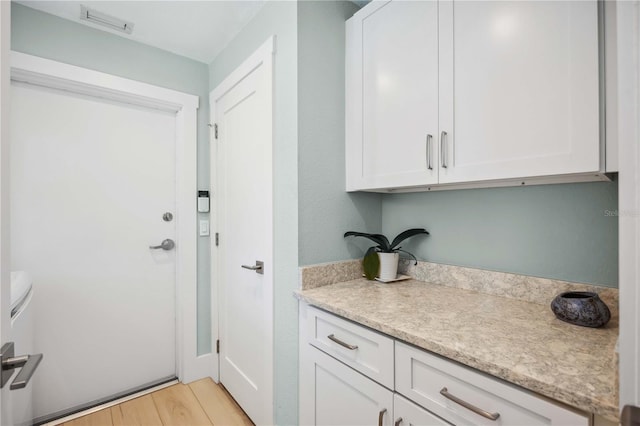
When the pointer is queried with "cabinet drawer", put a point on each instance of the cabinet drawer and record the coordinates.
(424, 378)
(364, 350)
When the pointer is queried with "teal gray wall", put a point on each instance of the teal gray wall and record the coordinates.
(567, 232)
(325, 210)
(278, 18)
(48, 36)
(552, 231)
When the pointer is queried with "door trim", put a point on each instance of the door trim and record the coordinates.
(44, 72)
(627, 129)
(262, 56)
(5, 263)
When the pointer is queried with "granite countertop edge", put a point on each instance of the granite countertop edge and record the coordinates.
(572, 397)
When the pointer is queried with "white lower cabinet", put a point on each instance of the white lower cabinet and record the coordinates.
(464, 396)
(406, 413)
(341, 386)
(333, 394)
(337, 395)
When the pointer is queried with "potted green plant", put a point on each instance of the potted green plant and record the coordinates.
(382, 259)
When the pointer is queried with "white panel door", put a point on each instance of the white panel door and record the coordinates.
(243, 185)
(399, 77)
(90, 182)
(518, 89)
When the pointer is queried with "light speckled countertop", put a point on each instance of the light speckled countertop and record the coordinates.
(515, 340)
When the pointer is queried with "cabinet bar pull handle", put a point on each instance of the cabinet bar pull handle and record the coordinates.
(429, 166)
(443, 151)
(381, 415)
(491, 416)
(341, 343)
(397, 423)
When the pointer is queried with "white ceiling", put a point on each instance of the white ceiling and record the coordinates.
(196, 29)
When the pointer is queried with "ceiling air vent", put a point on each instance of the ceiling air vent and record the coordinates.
(105, 20)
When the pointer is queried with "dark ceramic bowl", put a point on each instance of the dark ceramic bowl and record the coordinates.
(581, 308)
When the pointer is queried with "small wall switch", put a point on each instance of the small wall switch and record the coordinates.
(204, 228)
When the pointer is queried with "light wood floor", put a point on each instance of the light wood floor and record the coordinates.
(198, 403)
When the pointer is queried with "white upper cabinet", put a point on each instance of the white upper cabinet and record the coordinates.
(502, 90)
(392, 87)
(519, 89)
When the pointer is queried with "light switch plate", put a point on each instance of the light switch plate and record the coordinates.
(204, 228)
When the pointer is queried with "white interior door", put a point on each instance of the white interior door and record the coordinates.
(90, 182)
(243, 183)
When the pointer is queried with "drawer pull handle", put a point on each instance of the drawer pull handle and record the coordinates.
(341, 343)
(397, 423)
(491, 416)
(381, 416)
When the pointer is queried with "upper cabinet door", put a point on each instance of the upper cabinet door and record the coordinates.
(519, 91)
(392, 95)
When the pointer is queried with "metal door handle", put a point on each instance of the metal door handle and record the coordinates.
(258, 267)
(381, 416)
(429, 138)
(341, 343)
(252, 268)
(167, 244)
(487, 415)
(27, 363)
(397, 423)
(443, 151)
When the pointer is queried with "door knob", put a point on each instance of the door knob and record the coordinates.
(9, 362)
(258, 267)
(167, 244)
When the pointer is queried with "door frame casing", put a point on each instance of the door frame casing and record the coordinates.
(627, 130)
(52, 74)
(5, 246)
(263, 56)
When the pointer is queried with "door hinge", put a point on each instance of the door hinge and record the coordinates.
(215, 130)
(217, 239)
(217, 346)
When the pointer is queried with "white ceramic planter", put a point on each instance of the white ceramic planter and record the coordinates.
(388, 266)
